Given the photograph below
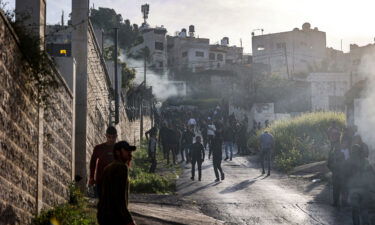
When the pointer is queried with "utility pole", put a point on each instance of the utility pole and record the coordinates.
(115, 55)
(145, 11)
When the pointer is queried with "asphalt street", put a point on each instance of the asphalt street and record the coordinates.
(247, 197)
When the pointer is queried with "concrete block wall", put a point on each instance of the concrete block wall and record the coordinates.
(57, 148)
(35, 147)
(98, 100)
(18, 134)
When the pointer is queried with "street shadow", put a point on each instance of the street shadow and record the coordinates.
(258, 176)
(322, 203)
(311, 186)
(184, 185)
(216, 183)
(197, 189)
(206, 166)
(240, 186)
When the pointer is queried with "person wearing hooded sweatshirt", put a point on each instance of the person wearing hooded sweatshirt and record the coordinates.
(217, 155)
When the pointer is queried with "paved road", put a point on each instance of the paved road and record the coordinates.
(245, 197)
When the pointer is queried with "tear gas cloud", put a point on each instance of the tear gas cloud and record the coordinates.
(162, 87)
(364, 114)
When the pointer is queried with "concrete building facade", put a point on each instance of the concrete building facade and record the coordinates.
(328, 91)
(188, 53)
(194, 54)
(155, 40)
(361, 61)
(291, 53)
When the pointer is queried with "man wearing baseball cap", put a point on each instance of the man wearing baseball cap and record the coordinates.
(101, 157)
(114, 196)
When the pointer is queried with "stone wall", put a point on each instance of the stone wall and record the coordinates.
(130, 130)
(35, 144)
(36, 157)
(98, 99)
(57, 150)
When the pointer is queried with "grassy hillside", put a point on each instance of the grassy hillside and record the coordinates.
(302, 139)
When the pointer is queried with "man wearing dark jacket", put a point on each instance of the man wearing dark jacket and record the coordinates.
(187, 141)
(217, 153)
(114, 197)
(228, 138)
(197, 157)
(171, 143)
(163, 138)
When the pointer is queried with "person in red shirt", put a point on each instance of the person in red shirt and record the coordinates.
(101, 157)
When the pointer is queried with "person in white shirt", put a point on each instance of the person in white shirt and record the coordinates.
(211, 129)
(192, 123)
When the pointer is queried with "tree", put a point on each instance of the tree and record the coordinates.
(107, 19)
(128, 36)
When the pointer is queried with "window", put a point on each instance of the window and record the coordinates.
(260, 48)
(220, 57)
(212, 56)
(199, 54)
(184, 54)
(159, 46)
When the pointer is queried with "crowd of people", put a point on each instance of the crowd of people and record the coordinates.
(193, 136)
(188, 134)
(353, 178)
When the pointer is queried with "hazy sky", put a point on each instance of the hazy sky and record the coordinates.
(349, 20)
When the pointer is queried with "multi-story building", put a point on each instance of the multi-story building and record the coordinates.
(291, 53)
(59, 40)
(155, 40)
(187, 52)
(361, 61)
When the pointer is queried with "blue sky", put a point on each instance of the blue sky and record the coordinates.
(349, 20)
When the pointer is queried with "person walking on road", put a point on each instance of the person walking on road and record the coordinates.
(217, 153)
(102, 155)
(152, 151)
(211, 129)
(171, 143)
(267, 144)
(114, 197)
(338, 163)
(163, 139)
(197, 157)
(228, 139)
(334, 135)
(187, 141)
(192, 122)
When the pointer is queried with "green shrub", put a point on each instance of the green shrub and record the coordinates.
(72, 213)
(141, 181)
(302, 139)
(152, 183)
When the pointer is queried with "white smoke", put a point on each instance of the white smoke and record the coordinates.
(162, 87)
(365, 107)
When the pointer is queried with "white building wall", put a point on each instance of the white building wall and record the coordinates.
(304, 50)
(325, 86)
